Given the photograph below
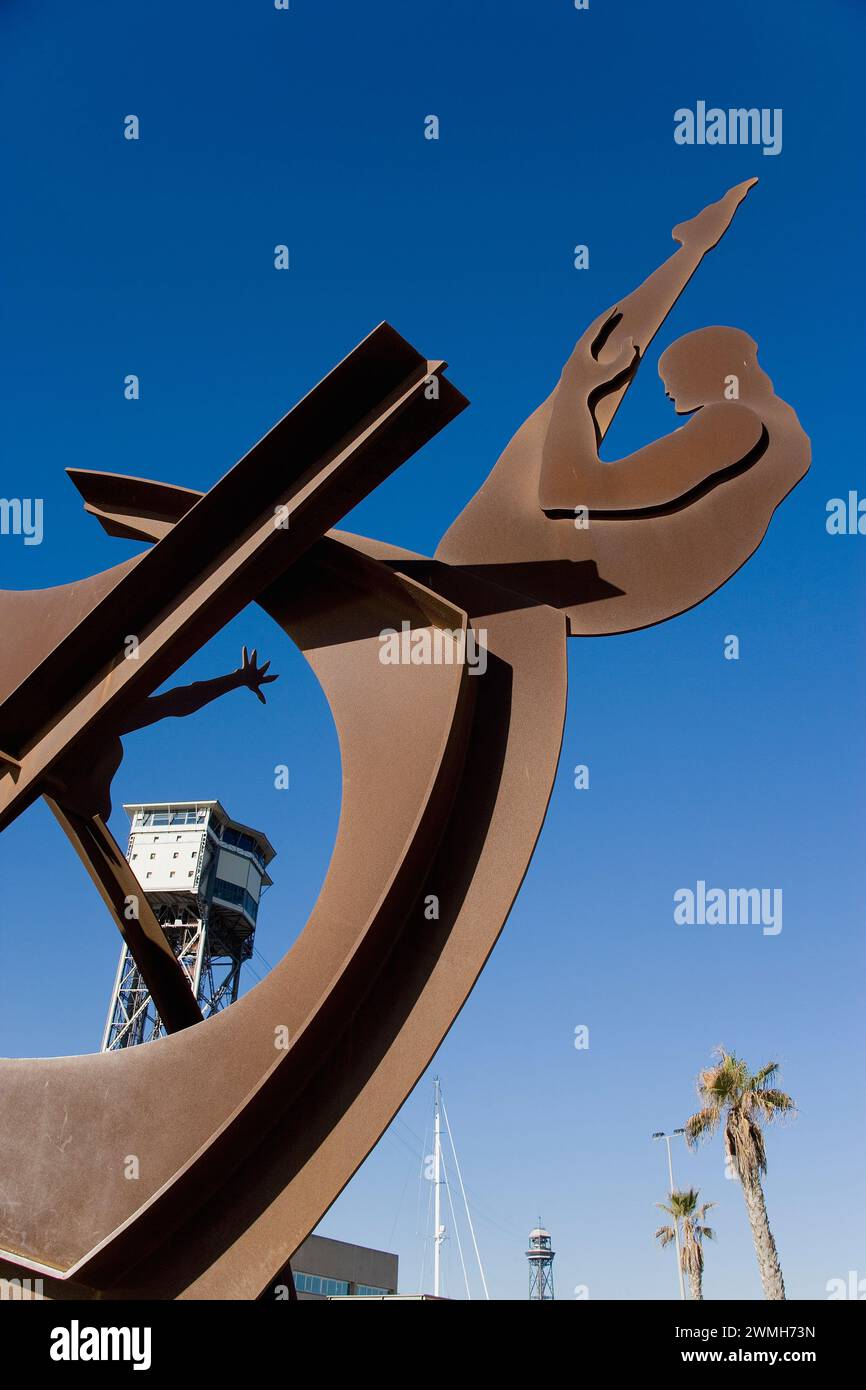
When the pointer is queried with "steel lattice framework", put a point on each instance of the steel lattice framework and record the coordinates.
(209, 938)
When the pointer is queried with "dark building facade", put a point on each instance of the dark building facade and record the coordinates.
(325, 1268)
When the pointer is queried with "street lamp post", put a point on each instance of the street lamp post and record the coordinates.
(659, 1134)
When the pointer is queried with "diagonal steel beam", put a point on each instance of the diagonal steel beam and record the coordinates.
(125, 899)
(359, 424)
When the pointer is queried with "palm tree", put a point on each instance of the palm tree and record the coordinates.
(741, 1102)
(684, 1207)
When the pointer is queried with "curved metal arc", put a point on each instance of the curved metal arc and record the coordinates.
(339, 659)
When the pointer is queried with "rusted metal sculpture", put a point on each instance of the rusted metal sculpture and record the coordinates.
(459, 767)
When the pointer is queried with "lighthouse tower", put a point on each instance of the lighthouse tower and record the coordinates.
(203, 875)
(540, 1256)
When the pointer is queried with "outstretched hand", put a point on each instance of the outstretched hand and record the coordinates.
(585, 360)
(254, 676)
(701, 233)
(625, 362)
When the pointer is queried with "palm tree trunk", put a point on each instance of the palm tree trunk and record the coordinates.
(695, 1284)
(765, 1246)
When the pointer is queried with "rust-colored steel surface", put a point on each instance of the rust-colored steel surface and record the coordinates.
(447, 763)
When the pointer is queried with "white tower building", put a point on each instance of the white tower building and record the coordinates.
(203, 875)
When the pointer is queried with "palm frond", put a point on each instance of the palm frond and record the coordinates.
(702, 1124)
(682, 1203)
(757, 1081)
(772, 1103)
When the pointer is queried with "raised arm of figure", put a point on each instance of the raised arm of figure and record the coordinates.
(187, 699)
(640, 314)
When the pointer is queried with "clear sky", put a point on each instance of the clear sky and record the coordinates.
(155, 257)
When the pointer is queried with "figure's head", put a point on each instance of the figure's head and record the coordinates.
(698, 368)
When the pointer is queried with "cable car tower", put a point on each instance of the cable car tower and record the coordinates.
(203, 875)
(540, 1256)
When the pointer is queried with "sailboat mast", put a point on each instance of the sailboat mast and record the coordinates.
(437, 1166)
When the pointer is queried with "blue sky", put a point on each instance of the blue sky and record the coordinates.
(155, 257)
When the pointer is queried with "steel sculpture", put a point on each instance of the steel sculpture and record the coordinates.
(459, 766)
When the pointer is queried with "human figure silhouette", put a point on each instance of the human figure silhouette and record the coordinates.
(81, 781)
(621, 545)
